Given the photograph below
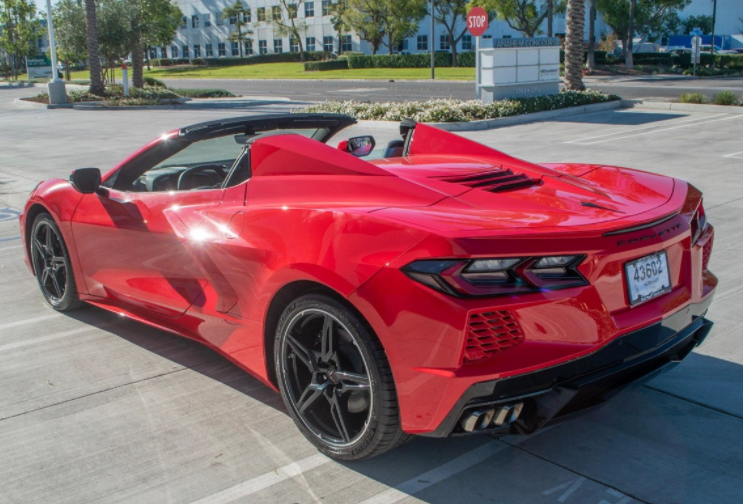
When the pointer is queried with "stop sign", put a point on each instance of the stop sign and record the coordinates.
(477, 21)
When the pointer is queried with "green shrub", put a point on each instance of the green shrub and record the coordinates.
(697, 98)
(321, 66)
(457, 110)
(725, 98)
(466, 59)
(599, 57)
(203, 93)
(419, 60)
(345, 55)
(151, 81)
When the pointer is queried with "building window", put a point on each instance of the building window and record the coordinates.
(278, 46)
(247, 16)
(194, 21)
(220, 19)
(262, 47)
(261, 14)
(293, 44)
(309, 44)
(327, 43)
(209, 50)
(221, 50)
(196, 51)
(174, 51)
(248, 45)
(309, 9)
(185, 51)
(153, 53)
(235, 49)
(184, 22)
(276, 13)
(402, 46)
(326, 7)
(207, 20)
(444, 42)
(346, 43)
(467, 43)
(423, 42)
(233, 20)
(293, 10)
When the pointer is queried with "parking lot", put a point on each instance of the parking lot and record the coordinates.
(96, 408)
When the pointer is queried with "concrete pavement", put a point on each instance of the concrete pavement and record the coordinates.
(94, 408)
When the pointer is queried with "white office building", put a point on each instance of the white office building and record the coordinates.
(204, 33)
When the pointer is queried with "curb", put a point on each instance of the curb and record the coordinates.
(499, 122)
(686, 107)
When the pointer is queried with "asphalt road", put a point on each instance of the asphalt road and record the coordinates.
(666, 88)
(99, 409)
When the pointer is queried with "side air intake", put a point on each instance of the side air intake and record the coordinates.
(494, 181)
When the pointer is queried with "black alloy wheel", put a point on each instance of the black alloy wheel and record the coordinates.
(52, 266)
(335, 380)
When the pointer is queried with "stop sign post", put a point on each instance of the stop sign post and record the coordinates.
(477, 24)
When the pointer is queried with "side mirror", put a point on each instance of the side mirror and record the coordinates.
(86, 180)
(361, 146)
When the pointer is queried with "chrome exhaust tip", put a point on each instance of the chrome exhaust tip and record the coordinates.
(477, 419)
(506, 415)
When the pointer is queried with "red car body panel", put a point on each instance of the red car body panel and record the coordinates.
(208, 264)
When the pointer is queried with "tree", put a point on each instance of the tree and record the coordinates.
(401, 19)
(94, 60)
(448, 14)
(339, 12)
(290, 25)
(151, 22)
(702, 22)
(237, 12)
(649, 15)
(19, 30)
(366, 17)
(113, 26)
(591, 60)
(525, 16)
(69, 32)
(574, 44)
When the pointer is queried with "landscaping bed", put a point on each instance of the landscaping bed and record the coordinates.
(440, 111)
(154, 92)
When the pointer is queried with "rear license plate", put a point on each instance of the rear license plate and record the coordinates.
(647, 277)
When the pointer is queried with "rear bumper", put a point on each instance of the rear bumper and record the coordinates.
(551, 394)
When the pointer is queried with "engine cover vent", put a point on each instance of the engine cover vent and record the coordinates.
(493, 181)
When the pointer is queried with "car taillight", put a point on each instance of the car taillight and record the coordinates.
(698, 223)
(498, 276)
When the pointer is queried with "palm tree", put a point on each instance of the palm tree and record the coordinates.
(237, 11)
(94, 61)
(574, 45)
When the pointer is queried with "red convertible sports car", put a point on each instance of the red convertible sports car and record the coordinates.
(436, 288)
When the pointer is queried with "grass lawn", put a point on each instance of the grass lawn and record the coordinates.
(293, 71)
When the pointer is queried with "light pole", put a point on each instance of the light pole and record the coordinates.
(56, 87)
(433, 28)
(712, 45)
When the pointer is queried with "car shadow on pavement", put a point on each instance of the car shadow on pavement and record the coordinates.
(621, 117)
(675, 439)
(182, 351)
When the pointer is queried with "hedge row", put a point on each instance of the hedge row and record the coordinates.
(321, 66)
(291, 57)
(457, 110)
(418, 60)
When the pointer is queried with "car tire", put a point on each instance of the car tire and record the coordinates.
(335, 379)
(51, 263)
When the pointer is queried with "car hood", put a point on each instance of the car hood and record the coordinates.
(554, 196)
